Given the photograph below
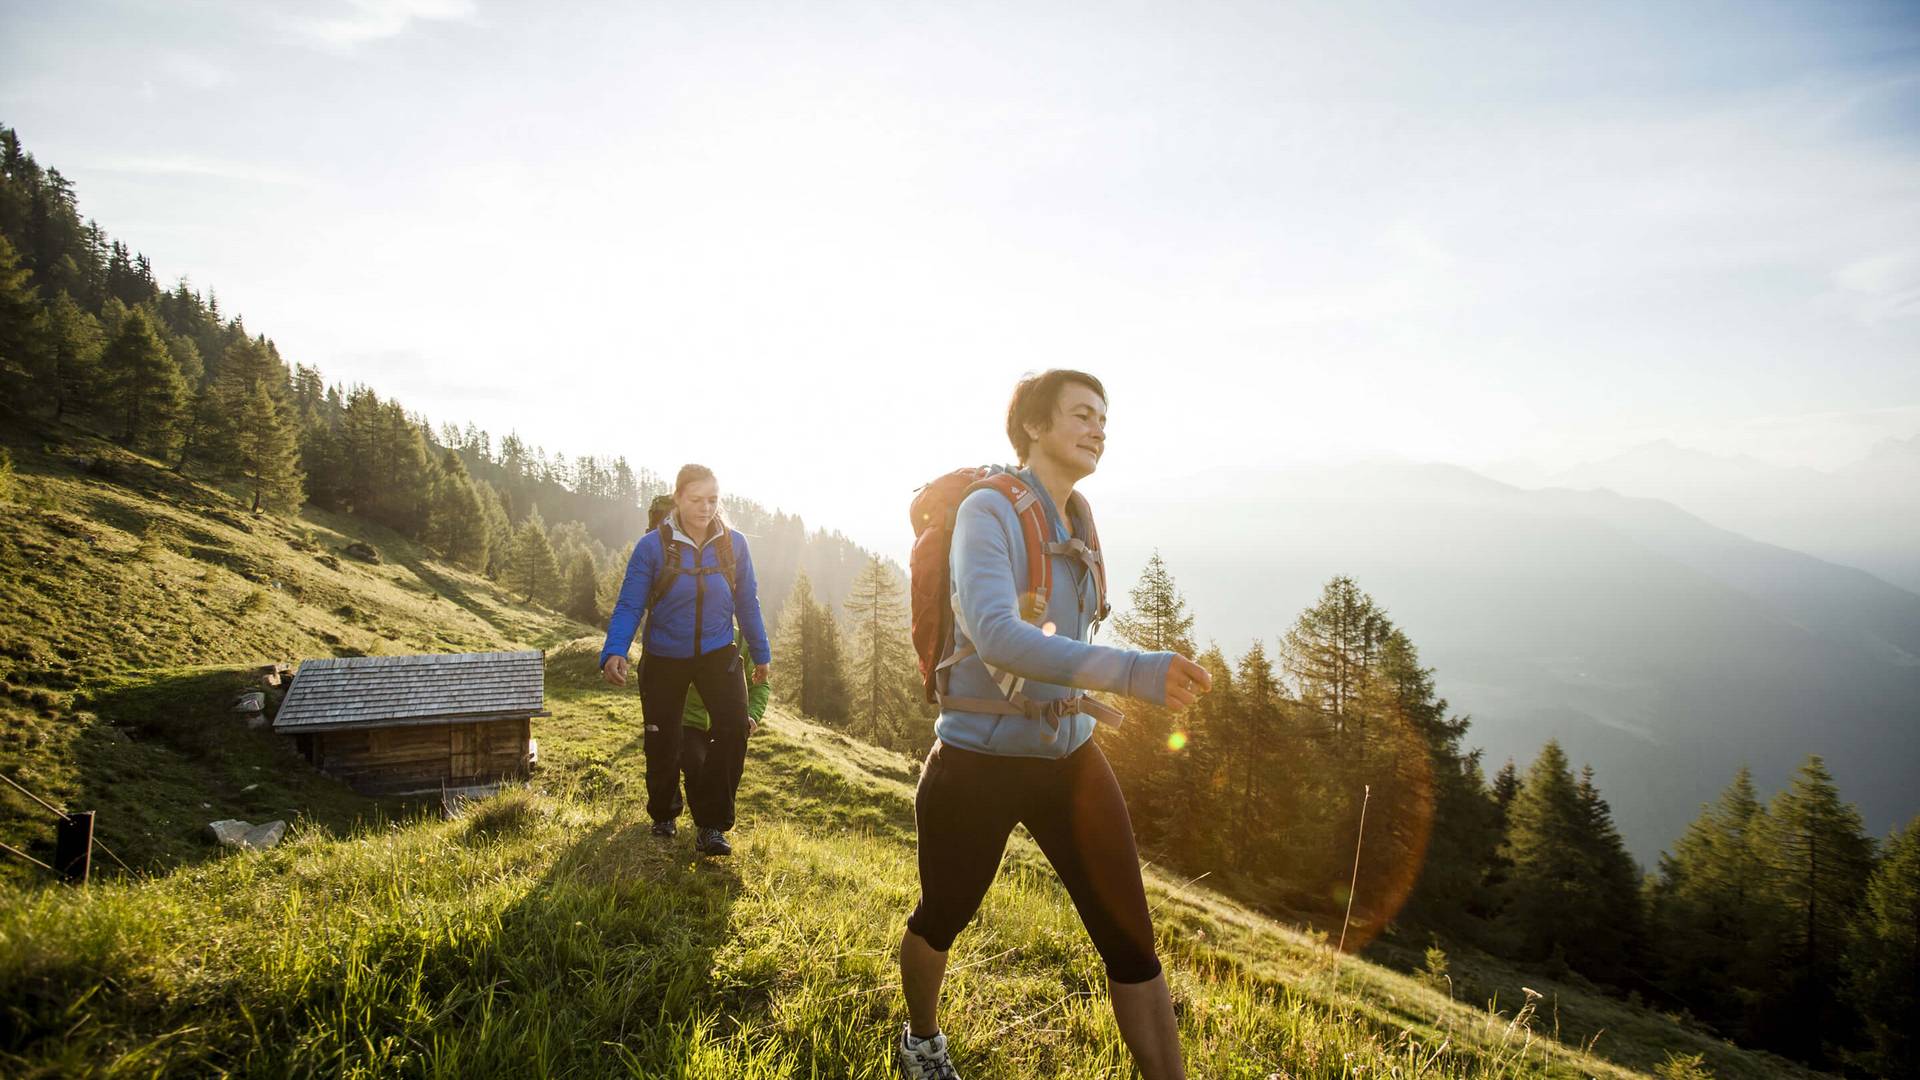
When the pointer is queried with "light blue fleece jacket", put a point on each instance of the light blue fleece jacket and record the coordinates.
(988, 568)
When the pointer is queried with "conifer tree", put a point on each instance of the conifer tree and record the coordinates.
(1709, 909)
(1192, 803)
(267, 455)
(885, 678)
(810, 638)
(1609, 949)
(1254, 723)
(74, 342)
(22, 330)
(458, 526)
(1547, 875)
(1158, 621)
(1818, 858)
(533, 571)
(1330, 652)
(1884, 959)
(582, 590)
(144, 385)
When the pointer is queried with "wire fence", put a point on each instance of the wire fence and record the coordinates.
(63, 816)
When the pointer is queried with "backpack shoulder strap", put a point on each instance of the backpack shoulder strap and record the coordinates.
(669, 564)
(1088, 544)
(1033, 533)
(723, 548)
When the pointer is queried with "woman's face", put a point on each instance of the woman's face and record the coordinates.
(697, 504)
(1078, 436)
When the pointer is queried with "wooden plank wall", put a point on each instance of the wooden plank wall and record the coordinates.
(421, 757)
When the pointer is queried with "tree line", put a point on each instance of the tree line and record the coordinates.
(1779, 924)
(89, 337)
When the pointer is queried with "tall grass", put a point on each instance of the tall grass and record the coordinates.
(548, 935)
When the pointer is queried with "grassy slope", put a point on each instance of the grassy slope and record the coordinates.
(129, 593)
(546, 934)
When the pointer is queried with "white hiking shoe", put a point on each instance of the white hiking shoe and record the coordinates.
(923, 1059)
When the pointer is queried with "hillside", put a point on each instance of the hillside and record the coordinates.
(120, 580)
(545, 933)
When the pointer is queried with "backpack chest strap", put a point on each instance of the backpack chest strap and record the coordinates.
(1016, 702)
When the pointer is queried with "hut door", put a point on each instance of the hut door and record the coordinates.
(466, 750)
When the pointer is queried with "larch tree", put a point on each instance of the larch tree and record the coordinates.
(145, 389)
(1883, 962)
(1330, 652)
(22, 331)
(582, 590)
(533, 571)
(884, 675)
(267, 454)
(1547, 874)
(1818, 857)
(1157, 621)
(1708, 909)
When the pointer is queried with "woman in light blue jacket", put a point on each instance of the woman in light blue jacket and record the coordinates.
(989, 771)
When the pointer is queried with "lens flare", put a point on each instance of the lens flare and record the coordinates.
(1177, 741)
(1049, 629)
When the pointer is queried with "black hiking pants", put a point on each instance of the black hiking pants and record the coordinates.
(663, 701)
(693, 758)
(967, 806)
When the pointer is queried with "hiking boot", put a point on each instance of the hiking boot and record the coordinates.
(664, 829)
(712, 842)
(923, 1059)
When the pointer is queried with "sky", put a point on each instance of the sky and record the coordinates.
(814, 245)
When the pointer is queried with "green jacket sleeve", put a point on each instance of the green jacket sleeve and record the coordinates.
(758, 694)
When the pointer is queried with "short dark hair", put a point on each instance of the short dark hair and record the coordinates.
(1034, 398)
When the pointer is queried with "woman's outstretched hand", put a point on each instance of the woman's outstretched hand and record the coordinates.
(615, 670)
(1186, 681)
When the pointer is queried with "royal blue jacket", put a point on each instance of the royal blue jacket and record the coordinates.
(987, 559)
(670, 631)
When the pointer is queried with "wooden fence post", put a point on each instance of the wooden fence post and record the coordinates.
(73, 846)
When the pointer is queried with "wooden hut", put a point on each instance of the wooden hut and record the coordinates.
(410, 724)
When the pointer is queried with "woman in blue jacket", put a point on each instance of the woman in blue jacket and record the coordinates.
(689, 580)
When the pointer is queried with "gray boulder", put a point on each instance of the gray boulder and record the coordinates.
(241, 834)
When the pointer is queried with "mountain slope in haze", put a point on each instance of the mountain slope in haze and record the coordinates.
(1659, 648)
(1866, 514)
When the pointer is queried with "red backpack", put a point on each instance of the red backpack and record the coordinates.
(934, 509)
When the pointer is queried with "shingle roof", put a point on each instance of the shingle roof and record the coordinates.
(372, 691)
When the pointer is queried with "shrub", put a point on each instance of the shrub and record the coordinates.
(1683, 1067)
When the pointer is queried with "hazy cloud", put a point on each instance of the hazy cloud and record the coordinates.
(373, 20)
(212, 168)
(193, 70)
(1882, 287)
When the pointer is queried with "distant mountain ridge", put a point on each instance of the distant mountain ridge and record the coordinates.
(1865, 514)
(1664, 650)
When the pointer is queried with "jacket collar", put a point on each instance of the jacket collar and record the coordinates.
(719, 530)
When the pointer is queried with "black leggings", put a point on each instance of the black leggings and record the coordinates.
(663, 701)
(967, 806)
